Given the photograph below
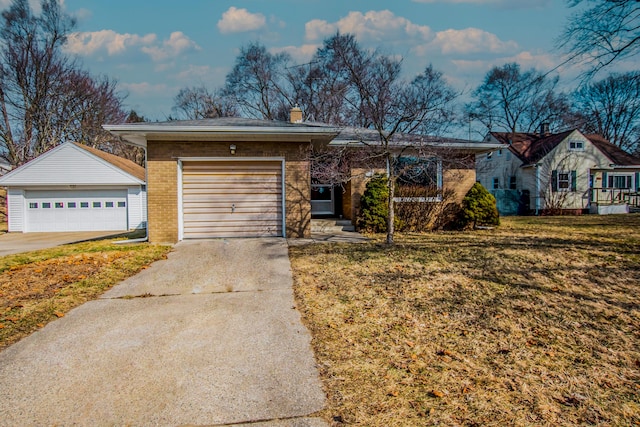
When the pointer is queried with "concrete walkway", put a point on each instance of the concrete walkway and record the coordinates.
(13, 243)
(209, 336)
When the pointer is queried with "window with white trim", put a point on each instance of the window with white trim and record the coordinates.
(562, 180)
(576, 145)
(619, 181)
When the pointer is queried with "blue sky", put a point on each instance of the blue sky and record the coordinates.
(154, 48)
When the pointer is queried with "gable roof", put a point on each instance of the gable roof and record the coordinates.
(618, 156)
(126, 165)
(531, 147)
(75, 164)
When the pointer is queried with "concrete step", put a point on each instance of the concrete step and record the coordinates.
(331, 225)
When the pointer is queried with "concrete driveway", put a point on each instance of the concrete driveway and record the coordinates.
(13, 243)
(209, 336)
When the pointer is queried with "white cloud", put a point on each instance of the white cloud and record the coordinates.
(177, 44)
(112, 43)
(145, 88)
(108, 41)
(526, 60)
(236, 20)
(470, 40)
(299, 54)
(381, 25)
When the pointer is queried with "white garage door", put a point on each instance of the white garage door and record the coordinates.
(232, 199)
(76, 210)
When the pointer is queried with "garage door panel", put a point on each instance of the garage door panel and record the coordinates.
(76, 210)
(232, 199)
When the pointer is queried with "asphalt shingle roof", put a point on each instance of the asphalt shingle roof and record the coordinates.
(532, 147)
(126, 165)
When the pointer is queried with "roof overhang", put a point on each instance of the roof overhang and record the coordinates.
(468, 147)
(140, 134)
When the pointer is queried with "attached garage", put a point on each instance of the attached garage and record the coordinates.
(232, 199)
(228, 176)
(76, 188)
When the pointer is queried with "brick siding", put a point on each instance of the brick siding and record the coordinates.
(162, 182)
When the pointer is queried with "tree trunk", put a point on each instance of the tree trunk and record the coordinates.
(391, 186)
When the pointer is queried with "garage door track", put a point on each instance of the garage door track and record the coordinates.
(209, 336)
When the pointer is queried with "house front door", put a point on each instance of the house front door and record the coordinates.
(322, 200)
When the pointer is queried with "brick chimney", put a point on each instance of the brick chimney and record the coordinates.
(544, 129)
(295, 115)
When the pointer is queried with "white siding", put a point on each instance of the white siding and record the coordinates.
(137, 207)
(68, 165)
(15, 210)
(561, 158)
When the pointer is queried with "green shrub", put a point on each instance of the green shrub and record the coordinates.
(374, 206)
(478, 208)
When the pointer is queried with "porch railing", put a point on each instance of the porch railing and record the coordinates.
(614, 196)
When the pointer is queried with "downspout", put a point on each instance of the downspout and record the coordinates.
(537, 189)
(146, 200)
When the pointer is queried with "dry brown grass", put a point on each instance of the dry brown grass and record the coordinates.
(40, 286)
(536, 323)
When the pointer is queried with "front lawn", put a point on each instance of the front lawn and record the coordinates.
(40, 286)
(534, 323)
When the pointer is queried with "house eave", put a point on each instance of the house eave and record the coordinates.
(140, 135)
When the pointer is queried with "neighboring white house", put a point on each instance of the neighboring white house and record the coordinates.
(567, 171)
(74, 187)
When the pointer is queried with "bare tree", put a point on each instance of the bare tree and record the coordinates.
(392, 108)
(512, 101)
(257, 84)
(611, 107)
(198, 102)
(603, 32)
(45, 98)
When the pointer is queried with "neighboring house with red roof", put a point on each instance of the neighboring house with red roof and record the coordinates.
(566, 171)
(73, 187)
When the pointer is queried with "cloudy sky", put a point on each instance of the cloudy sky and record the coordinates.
(155, 48)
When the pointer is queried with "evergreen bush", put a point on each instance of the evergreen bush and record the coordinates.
(374, 206)
(478, 208)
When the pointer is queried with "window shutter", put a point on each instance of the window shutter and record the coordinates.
(574, 176)
(554, 181)
(605, 183)
(637, 181)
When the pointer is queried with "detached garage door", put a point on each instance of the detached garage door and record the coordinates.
(232, 199)
(76, 210)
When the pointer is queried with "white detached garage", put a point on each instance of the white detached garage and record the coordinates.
(74, 187)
